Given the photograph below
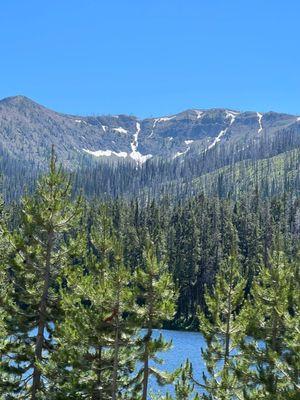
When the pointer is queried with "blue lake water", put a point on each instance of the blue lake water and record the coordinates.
(185, 345)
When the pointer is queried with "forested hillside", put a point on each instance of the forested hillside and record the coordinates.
(80, 278)
(98, 252)
(271, 163)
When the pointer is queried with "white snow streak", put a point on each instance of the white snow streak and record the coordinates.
(181, 153)
(153, 127)
(80, 121)
(120, 130)
(188, 141)
(229, 114)
(106, 153)
(298, 119)
(259, 116)
(157, 120)
(199, 113)
(135, 154)
(165, 119)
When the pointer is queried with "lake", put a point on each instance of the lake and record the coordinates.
(185, 345)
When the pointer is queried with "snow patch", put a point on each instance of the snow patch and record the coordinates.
(106, 153)
(181, 153)
(188, 141)
(229, 114)
(199, 114)
(259, 117)
(80, 121)
(218, 138)
(165, 119)
(298, 119)
(135, 154)
(157, 120)
(120, 130)
(153, 127)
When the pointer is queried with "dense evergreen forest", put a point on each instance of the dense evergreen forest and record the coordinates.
(270, 164)
(84, 283)
(232, 170)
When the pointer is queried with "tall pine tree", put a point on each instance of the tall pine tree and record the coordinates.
(157, 304)
(223, 327)
(39, 252)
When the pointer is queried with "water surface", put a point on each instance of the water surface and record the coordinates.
(185, 345)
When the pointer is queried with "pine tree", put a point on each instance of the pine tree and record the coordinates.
(184, 389)
(157, 304)
(289, 366)
(7, 306)
(223, 328)
(273, 323)
(39, 253)
(96, 334)
(4, 288)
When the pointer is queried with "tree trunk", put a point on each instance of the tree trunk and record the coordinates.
(146, 352)
(228, 321)
(146, 365)
(147, 339)
(116, 356)
(40, 338)
(97, 391)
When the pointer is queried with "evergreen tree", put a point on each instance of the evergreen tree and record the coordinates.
(39, 253)
(223, 328)
(184, 389)
(272, 315)
(95, 338)
(157, 304)
(4, 289)
(7, 306)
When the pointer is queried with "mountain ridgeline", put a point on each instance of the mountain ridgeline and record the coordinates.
(217, 152)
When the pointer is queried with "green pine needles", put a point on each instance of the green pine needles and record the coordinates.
(85, 285)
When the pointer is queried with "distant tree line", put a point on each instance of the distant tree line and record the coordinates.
(229, 170)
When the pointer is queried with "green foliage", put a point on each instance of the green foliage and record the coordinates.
(223, 327)
(96, 335)
(38, 255)
(156, 304)
(84, 288)
(273, 323)
(184, 389)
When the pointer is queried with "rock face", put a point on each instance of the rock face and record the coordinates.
(27, 131)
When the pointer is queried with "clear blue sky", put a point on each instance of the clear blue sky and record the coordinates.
(152, 57)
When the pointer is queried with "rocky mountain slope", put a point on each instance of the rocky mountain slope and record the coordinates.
(27, 131)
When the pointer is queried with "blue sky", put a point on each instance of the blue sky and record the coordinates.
(153, 57)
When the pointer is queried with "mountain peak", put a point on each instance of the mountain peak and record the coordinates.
(20, 101)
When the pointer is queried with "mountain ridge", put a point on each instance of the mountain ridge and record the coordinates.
(28, 129)
(23, 98)
(183, 154)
